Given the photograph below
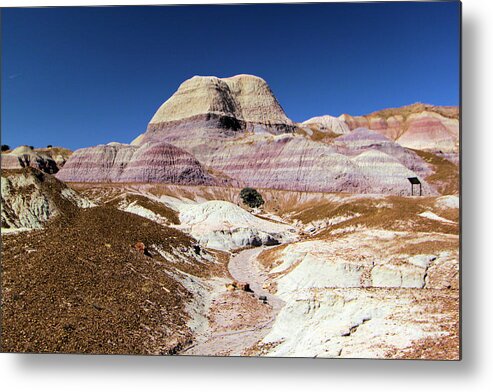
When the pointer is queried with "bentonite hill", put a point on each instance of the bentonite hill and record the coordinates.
(148, 247)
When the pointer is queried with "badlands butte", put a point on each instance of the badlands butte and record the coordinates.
(148, 248)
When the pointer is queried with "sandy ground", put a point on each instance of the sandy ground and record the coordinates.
(238, 320)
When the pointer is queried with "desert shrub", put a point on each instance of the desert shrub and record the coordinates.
(251, 197)
(5, 147)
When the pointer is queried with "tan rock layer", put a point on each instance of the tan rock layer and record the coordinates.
(244, 97)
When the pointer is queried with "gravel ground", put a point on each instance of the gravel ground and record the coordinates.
(80, 286)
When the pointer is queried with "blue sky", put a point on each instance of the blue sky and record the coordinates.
(81, 76)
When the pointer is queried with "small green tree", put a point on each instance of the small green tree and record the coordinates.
(5, 147)
(251, 197)
(49, 146)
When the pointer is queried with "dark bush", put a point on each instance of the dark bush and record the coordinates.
(5, 147)
(251, 197)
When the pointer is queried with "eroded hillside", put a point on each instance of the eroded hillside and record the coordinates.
(100, 280)
(148, 247)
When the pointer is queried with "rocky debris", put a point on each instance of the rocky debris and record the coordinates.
(225, 226)
(237, 320)
(346, 214)
(141, 248)
(235, 285)
(25, 156)
(75, 294)
(31, 197)
(59, 154)
(375, 278)
(116, 162)
(445, 173)
(144, 206)
(243, 286)
(417, 126)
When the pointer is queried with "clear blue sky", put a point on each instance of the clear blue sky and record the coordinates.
(79, 76)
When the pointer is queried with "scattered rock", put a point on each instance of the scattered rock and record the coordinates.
(235, 285)
(140, 247)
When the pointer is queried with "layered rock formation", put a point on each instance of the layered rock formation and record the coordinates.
(264, 157)
(30, 198)
(81, 285)
(225, 226)
(247, 99)
(59, 154)
(236, 128)
(418, 126)
(374, 282)
(385, 162)
(328, 123)
(116, 162)
(25, 156)
(162, 162)
(292, 162)
(216, 109)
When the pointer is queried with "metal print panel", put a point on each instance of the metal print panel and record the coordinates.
(258, 180)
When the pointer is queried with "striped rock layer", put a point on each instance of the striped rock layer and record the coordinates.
(150, 162)
(29, 198)
(418, 126)
(236, 128)
(207, 106)
(295, 163)
(25, 156)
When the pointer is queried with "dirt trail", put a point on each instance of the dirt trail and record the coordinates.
(244, 267)
(238, 320)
